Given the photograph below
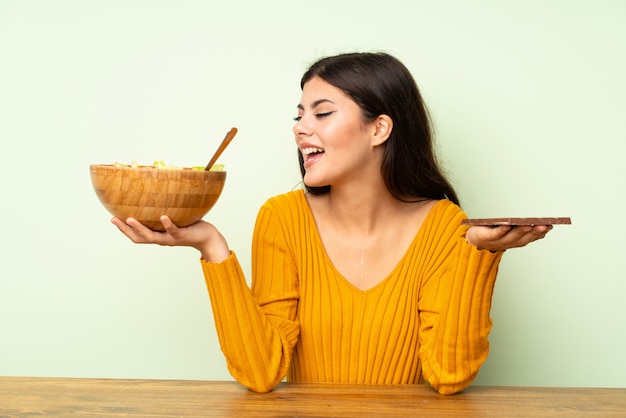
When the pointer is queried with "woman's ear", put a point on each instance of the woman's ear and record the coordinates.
(383, 126)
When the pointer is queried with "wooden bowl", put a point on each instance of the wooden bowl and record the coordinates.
(146, 193)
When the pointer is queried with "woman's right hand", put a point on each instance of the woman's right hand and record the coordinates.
(202, 236)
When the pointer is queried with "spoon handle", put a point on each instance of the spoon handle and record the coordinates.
(229, 137)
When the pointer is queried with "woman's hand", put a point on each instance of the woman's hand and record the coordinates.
(504, 237)
(202, 236)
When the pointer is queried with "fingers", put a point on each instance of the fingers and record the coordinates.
(169, 226)
(537, 232)
(479, 236)
(136, 231)
(520, 236)
(504, 237)
(197, 235)
(123, 227)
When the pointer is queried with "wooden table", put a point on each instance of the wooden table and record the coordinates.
(28, 396)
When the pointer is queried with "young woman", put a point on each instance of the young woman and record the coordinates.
(367, 275)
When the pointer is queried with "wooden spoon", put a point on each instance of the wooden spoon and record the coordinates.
(229, 137)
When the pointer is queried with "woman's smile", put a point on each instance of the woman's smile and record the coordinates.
(311, 154)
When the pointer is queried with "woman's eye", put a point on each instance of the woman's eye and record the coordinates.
(317, 115)
(323, 114)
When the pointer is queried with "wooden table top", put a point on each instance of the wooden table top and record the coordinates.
(31, 396)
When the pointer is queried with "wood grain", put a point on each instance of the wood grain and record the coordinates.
(27, 396)
(147, 193)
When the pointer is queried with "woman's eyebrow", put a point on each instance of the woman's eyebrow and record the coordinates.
(316, 103)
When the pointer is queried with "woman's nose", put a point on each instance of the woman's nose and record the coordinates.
(301, 127)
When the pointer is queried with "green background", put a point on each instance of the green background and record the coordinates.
(528, 99)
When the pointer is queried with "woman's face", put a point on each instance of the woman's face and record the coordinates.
(332, 136)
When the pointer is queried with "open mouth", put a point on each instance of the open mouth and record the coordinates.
(311, 154)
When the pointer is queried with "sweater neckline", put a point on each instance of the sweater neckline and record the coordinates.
(345, 282)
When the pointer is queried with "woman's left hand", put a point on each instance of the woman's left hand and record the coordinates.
(504, 237)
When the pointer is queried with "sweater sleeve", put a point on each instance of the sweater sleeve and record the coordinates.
(257, 328)
(455, 305)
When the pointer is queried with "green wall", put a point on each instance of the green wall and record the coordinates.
(528, 101)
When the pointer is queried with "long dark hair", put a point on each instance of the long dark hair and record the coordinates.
(380, 84)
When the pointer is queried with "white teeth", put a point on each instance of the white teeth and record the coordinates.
(311, 150)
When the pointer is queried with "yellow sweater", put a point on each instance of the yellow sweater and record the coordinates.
(427, 321)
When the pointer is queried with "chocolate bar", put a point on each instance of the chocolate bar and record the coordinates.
(517, 221)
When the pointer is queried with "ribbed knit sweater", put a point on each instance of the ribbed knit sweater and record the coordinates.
(428, 320)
